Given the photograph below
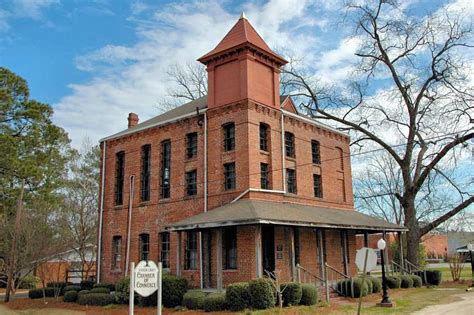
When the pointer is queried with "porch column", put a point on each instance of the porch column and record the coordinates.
(384, 236)
(366, 239)
(258, 251)
(219, 259)
(322, 268)
(400, 243)
(178, 254)
(343, 236)
(292, 253)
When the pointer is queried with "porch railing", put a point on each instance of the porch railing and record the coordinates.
(397, 268)
(335, 277)
(305, 276)
(412, 268)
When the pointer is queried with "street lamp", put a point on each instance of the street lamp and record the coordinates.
(470, 248)
(385, 299)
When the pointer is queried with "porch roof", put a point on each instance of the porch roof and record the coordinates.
(247, 211)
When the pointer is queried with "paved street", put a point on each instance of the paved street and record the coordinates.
(464, 307)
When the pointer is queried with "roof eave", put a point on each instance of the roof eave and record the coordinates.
(210, 55)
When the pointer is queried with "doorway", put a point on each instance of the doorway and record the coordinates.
(268, 248)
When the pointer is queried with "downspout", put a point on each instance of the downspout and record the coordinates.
(130, 200)
(201, 264)
(283, 179)
(101, 211)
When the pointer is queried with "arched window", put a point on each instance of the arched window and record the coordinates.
(229, 136)
(315, 152)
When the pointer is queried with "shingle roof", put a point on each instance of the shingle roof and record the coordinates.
(248, 211)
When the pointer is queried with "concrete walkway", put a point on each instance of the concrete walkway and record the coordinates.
(45, 311)
(464, 307)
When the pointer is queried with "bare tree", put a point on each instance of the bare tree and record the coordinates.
(412, 81)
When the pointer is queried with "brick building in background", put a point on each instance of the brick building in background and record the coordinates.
(231, 185)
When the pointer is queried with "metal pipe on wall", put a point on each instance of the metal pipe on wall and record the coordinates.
(130, 204)
(101, 214)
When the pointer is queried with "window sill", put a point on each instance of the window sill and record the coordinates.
(166, 200)
(228, 152)
(289, 194)
(291, 158)
(144, 203)
(120, 207)
(190, 197)
(230, 270)
(194, 158)
(264, 152)
(114, 271)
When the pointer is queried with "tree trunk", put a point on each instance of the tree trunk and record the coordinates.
(413, 234)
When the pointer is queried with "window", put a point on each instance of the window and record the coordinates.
(317, 186)
(191, 145)
(191, 251)
(229, 176)
(145, 174)
(165, 168)
(116, 252)
(144, 246)
(191, 185)
(165, 249)
(264, 176)
(341, 158)
(119, 177)
(229, 247)
(291, 180)
(315, 152)
(229, 137)
(290, 144)
(296, 241)
(263, 137)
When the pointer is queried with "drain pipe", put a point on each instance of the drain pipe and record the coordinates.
(130, 200)
(101, 213)
(283, 169)
(201, 263)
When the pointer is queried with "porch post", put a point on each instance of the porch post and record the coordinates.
(400, 243)
(292, 253)
(343, 235)
(319, 234)
(384, 236)
(219, 259)
(366, 239)
(258, 251)
(178, 254)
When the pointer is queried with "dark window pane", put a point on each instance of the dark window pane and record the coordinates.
(165, 169)
(291, 180)
(119, 177)
(191, 145)
(315, 152)
(263, 137)
(191, 183)
(191, 251)
(116, 252)
(165, 249)
(317, 186)
(289, 144)
(264, 176)
(229, 176)
(145, 173)
(229, 137)
(144, 246)
(229, 247)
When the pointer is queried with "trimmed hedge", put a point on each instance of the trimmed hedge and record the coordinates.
(57, 284)
(87, 284)
(309, 294)
(214, 302)
(262, 294)
(109, 286)
(417, 281)
(70, 296)
(98, 299)
(174, 289)
(100, 290)
(194, 300)
(407, 281)
(122, 290)
(370, 285)
(71, 288)
(376, 284)
(38, 293)
(353, 287)
(434, 277)
(292, 293)
(83, 292)
(237, 296)
(394, 282)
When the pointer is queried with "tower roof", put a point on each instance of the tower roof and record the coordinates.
(241, 34)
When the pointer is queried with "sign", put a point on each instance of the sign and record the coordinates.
(146, 278)
(371, 259)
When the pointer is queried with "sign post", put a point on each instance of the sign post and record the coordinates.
(145, 279)
(131, 289)
(366, 261)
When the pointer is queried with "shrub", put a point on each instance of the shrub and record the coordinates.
(29, 282)
(370, 285)
(100, 290)
(261, 293)
(194, 300)
(122, 290)
(109, 286)
(87, 284)
(214, 302)
(83, 292)
(70, 296)
(56, 285)
(174, 289)
(352, 287)
(433, 277)
(71, 288)
(237, 296)
(376, 284)
(417, 281)
(394, 282)
(309, 294)
(99, 299)
(407, 281)
(38, 293)
(291, 293)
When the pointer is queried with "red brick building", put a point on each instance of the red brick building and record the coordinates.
(230, 185)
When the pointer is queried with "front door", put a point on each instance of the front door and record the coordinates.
(268, 248)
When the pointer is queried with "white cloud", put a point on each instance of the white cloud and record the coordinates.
(32, 8)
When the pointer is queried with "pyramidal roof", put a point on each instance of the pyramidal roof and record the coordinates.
(242, 33)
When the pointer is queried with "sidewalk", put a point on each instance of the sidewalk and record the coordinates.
(464, 307)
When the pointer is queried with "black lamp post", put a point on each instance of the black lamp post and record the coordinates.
(470, 248)
(385, 299)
